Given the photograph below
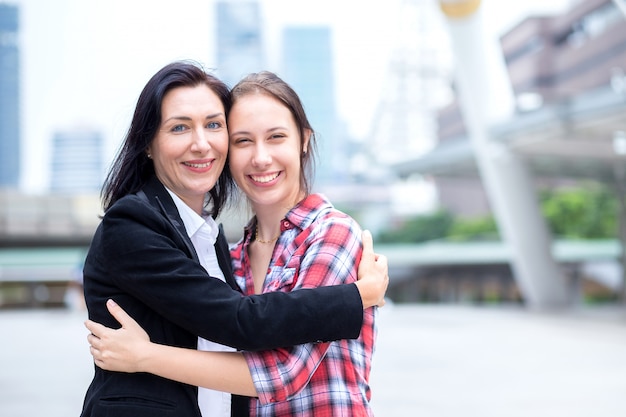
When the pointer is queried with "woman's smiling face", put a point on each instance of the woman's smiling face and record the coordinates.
(265, 147)
(190, 148)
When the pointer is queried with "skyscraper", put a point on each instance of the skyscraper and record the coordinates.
(415, 85)
(77, 165)
(239, 40)
(308, 68)
(9, 97)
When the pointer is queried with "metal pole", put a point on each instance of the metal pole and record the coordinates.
(621, 4)
(504, 175)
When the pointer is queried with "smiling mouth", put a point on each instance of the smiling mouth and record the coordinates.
(263, 179)
(203, 165)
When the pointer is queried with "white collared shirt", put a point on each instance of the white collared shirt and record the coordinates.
(203, 233)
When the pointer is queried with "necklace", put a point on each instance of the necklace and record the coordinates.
(256, 237)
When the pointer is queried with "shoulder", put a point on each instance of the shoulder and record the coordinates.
(316, 208)
(130, 206)
(133, 229)
(133, 216)
(130, 201)
(327, 215)
(333, 226)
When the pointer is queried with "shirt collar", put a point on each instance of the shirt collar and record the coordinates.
(193, 222)
(301, 215)
(307, 210)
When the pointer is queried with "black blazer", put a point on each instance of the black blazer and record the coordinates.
(141, 257)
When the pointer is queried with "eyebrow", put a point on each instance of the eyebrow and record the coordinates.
(245, 132)
(210, 116)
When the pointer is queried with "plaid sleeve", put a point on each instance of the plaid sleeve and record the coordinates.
(329, 256)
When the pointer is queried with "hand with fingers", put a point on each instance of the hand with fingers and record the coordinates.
(373, 274)
(118, 349)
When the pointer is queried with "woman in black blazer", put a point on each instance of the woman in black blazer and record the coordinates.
(142, 257)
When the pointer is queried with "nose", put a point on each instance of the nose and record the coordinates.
(262, 156)
(200, 140)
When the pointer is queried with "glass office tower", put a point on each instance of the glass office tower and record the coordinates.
(308, 68)
(9, 97)
(239, 40)
(77, 165)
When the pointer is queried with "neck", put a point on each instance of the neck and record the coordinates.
(268, 225)
(268, 219)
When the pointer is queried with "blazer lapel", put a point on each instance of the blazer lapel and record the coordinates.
(159, 198)
(224, 260)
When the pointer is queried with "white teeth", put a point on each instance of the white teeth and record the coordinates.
(264, 178)
(206, 164)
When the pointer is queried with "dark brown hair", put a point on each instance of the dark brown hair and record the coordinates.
(131, 169)
(270, 84)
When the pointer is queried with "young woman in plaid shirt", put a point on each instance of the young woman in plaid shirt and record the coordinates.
(296, 239)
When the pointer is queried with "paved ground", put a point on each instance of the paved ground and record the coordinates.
(438, 361)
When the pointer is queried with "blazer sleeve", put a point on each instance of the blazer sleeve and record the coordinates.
(144, 257)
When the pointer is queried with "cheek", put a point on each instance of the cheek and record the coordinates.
(163, 163)
(220, 145)
(237, 161)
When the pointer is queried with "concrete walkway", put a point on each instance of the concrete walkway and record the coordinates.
(432, 361)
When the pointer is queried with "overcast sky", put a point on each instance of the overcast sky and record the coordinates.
(84, 62)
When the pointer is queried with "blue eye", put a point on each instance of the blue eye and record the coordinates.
(214, 125)
(178, 128)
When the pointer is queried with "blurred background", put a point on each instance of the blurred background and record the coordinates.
(482, 142)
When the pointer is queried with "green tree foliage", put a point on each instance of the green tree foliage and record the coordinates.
(585, 212)
(588, 211)
(419, 229)
(440, 225)
(479, 228)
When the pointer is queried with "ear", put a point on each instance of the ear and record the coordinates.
(305, 142)
(148, 153)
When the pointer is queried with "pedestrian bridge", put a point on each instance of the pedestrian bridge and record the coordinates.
(40, 276)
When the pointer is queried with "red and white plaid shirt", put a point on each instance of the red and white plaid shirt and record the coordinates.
(319, 245)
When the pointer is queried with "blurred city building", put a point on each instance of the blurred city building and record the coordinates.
(567, 75)
(9, 96)
(416, 85)
(239, 37)
(404, 126)
(307, 65)
(50, 220)
(43, 243)
(77, 164)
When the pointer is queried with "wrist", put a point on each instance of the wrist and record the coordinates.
(366, 298)
(148, 353)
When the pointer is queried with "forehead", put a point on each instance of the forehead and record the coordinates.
(192, 98)
(257, 107)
